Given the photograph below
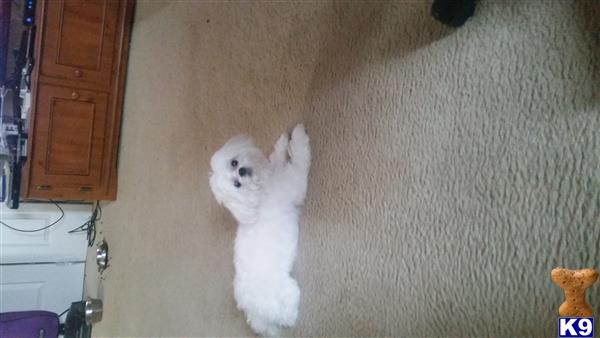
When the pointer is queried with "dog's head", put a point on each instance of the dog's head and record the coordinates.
(237, 174)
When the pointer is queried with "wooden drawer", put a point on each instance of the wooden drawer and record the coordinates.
(79, 40)
(70, 142)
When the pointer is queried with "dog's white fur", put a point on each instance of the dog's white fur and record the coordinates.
(266, 207)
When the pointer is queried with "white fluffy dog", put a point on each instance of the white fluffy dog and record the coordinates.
(264, 195)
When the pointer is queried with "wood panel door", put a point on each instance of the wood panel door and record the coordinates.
(49, 287)
(69, 149)
(79, 40)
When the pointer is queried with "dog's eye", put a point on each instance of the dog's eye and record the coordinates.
(237, 184)
(234, 163)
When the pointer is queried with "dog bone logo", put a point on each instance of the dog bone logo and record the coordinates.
(574, 283)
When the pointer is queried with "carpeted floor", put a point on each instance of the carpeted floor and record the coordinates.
(453, 169)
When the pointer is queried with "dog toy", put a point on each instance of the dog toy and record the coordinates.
(574, 283)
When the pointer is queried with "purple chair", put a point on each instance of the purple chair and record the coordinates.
(30, 324)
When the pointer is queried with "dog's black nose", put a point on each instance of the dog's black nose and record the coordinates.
(244, 171)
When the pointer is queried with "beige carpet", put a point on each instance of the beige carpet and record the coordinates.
(453, 169)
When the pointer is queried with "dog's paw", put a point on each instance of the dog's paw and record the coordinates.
(282, 143)
(280, 150)
(299, 134)
(300, 145)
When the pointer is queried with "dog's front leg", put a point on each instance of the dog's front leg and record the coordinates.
(279, 156)
(299, 150)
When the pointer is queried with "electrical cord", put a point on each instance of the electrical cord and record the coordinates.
(62, 215)
(62, 313)
(90, 225)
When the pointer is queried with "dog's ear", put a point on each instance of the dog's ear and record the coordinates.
(214, 187)
(240, 142)
(218, 199)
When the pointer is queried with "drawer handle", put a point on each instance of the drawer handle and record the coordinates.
(43, 187)
(78, 73)
(74, 95)
(85, 189)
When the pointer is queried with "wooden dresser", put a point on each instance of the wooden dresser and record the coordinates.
(78, 83)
